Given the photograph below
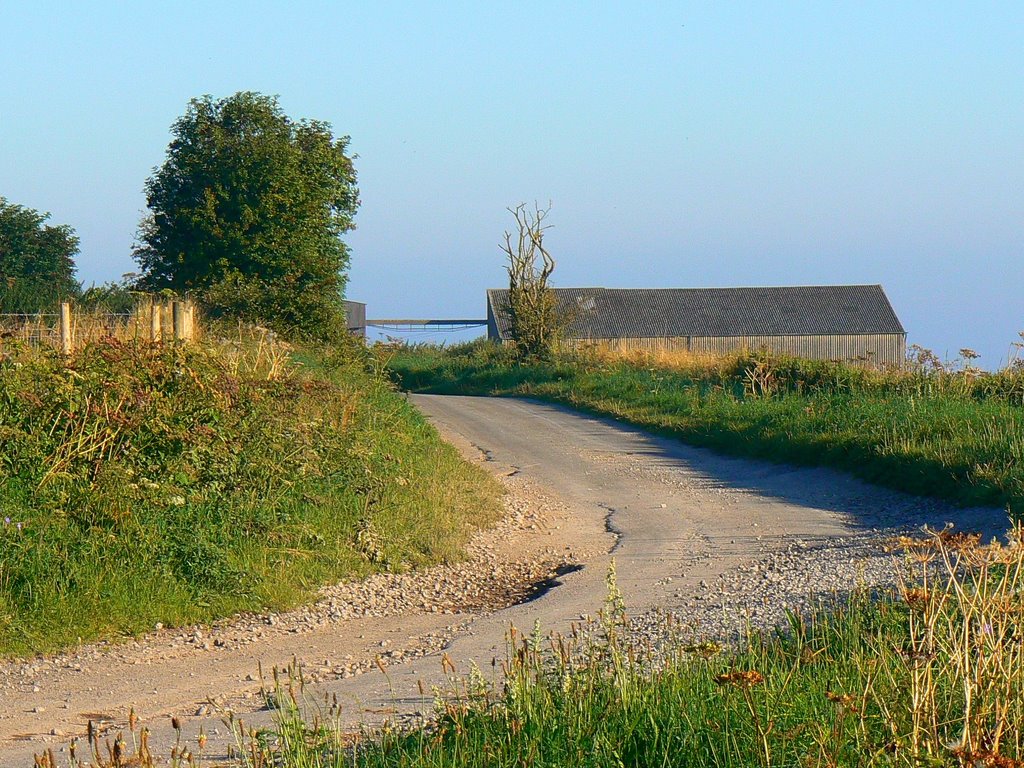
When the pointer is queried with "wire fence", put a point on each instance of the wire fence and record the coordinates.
(73, 328)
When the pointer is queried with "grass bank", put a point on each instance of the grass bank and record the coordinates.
(957, 435)
(145, 483)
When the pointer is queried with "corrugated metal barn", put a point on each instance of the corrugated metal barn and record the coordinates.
(828, 322)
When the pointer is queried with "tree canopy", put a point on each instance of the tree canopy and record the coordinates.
(247, 212)
(37, 267)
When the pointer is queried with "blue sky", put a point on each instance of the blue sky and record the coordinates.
(680, 144)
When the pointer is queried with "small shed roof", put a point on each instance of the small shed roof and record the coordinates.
(820, 310)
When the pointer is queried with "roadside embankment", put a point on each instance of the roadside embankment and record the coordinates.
(145, 485)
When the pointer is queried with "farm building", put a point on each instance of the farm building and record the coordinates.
(355, 317)
(831, 322)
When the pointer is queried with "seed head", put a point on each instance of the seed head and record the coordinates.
(842, 700)
(740, 679)
(917, 598)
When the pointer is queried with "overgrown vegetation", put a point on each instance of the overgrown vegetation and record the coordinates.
(147, 483)
(534, 322)
(953, 432)
(931, 675)
(117, 297)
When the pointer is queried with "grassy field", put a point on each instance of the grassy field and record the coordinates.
(955, 434)
(177, 484)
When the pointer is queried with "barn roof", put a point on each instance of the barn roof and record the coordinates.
(820, 310)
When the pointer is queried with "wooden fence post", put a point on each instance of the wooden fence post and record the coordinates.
(67, 341)
(190, 319)
(155, 330)
(178, 315)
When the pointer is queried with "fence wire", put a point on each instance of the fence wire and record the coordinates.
(43, 328)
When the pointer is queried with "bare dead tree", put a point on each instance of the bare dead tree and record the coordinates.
(533, 317)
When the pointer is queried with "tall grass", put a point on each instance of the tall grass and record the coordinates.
(956, 433)
(145, 483)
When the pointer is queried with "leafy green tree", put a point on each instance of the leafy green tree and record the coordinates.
(37, 266)
(247, 213)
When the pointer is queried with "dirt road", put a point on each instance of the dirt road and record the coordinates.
(715, 539)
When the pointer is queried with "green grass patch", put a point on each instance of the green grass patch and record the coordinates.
(601, 701)
(957, 436)
(143, 484)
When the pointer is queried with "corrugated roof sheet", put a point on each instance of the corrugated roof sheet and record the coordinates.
(636, 313)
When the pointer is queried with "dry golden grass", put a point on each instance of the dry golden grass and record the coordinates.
(696, 363)
(965, 623)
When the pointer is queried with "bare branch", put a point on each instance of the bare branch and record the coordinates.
(532, 310)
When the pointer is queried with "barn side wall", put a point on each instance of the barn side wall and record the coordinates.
(881, 349)
(667, 344)
(355, 317)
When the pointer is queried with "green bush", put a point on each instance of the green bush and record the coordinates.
(247, 213)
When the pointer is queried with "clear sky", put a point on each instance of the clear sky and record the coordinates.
(680, 144)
